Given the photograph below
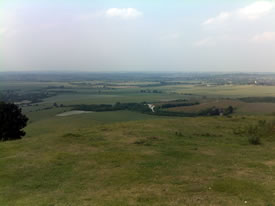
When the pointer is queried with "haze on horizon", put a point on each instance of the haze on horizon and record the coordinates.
(137, 35)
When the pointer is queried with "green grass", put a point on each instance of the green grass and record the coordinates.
(128, 158)
(103, 117)
(79, 160)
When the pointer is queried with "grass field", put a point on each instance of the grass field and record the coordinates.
(121, 158)
(233, 91)
(76, 160)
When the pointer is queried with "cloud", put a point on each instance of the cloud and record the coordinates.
(256, 10)
(251, 12)
(218, 19)
(125, 13)
(264, 37)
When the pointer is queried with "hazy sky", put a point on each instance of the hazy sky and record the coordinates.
(137, 35)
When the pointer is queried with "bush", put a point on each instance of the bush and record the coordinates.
(255, 140)
(262, 129)
(179, 134)
(12, 121)
(254, 134)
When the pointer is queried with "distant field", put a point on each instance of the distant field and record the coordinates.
(71, 113)
(94, 92)
(28, 85)
(241, 107)
(69, 99)
(107, 117)
(104, 117)
(224, 91)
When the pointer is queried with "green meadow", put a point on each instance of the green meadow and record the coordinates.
(86, 160)
(117, 158)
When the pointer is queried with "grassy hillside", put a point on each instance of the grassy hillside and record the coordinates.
(77, 160)
(123, 158)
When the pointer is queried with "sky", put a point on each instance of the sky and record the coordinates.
(137, 35)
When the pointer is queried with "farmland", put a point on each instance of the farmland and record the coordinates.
(131, 157)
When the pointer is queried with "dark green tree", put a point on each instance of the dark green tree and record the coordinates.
(229, 110)
(12, 121)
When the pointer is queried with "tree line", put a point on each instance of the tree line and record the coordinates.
(158, 110)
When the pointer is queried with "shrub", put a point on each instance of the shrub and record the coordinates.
(179, 134)
(12, 121)
(254, 134)
(255, 140)
(262, 129)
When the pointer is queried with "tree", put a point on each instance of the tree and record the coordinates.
(12, 121)
(229, 110)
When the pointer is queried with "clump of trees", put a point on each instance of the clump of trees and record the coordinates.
(171, 105)
(57, 105)
(258, 99)
(12, 121)
(150, 91)
(140, 107)
(12, 96)
(214, 111)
